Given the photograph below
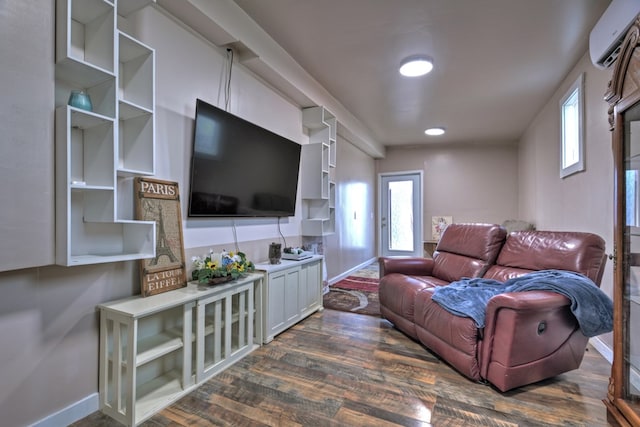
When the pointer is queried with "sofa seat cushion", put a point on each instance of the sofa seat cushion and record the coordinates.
(397, 294)
(453, 338)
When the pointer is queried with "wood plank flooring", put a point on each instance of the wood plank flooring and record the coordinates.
(344, 369)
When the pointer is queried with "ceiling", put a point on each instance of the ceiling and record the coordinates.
(497, 62)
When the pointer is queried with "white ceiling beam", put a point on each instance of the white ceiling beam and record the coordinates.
(225, 24)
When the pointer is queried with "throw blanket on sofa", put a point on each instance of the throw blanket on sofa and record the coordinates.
(592, 308)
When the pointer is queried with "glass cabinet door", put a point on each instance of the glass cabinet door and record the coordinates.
(225, 329)
(630, 246)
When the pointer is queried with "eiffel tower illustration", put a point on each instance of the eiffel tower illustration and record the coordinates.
(162, 247)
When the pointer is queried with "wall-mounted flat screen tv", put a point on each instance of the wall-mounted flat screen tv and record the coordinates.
(239, 169)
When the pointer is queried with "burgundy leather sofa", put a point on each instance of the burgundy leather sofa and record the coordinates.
(528, 336)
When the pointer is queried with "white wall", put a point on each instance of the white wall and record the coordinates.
(355, 239)
(26, 117)
(583, 201)
(471, 183)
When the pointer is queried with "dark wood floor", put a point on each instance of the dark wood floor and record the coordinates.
(343, 369)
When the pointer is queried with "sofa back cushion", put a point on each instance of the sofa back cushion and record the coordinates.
(466, 250)
(527, 251)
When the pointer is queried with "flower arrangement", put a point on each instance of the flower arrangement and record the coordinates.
(223, 264)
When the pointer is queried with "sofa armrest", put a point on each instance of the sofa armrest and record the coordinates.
(522, 327)
(529, 300)
(410, 266)
(518, 305)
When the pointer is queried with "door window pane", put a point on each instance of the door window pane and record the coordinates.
(401, 216)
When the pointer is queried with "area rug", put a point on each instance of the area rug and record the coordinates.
(354, 294)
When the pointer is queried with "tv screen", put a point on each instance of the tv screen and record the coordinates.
(239, 169)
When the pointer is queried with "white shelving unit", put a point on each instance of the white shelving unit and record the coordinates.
(318, 164)
(292, 291)
(98, 151)
(156, 349)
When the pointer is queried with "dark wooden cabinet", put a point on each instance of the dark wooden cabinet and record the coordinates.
(623, 96)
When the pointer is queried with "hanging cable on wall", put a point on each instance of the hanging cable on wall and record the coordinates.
(227, 102)
(282, 235)
(227, 85)
(235, 236)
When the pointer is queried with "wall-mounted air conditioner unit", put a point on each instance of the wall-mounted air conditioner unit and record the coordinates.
(607, 34)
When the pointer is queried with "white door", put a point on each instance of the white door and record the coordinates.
(400, 219)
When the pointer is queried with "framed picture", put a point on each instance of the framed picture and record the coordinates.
(159, 201)
(438, 224)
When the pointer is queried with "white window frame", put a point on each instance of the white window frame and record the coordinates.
(575, 93)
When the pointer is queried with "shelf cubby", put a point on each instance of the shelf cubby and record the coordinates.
(85, 32)
(332, 195)
(316, 209)
(127, 7)
(318, 227)
(100, 242)
(136, 94)
(332, 153)
(85, 147)
(135, 72)
(315, 171)
(315, 118)
(156, 394)
(135, 144)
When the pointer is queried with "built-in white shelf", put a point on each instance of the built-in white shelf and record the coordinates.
(318, 163)
(94, 149)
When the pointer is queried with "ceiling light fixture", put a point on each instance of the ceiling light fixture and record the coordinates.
(417, 65)
(434, 131)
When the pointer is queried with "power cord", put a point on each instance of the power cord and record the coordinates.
(282, 235)
(235, 236)
(227, 88)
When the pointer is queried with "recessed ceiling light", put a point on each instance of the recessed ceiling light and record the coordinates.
(417, 65)
(434, 131)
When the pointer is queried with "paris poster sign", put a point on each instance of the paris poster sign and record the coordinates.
(159, 201)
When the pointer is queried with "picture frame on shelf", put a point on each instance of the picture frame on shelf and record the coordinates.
(159, 200)
(438, 225)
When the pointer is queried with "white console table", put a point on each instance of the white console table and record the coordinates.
(292, 291)
(156, 349)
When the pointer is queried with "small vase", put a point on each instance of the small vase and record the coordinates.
(275, 253)
(80, 99)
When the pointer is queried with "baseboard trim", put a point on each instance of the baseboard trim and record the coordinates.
(348, 272)
(71, 413)
(602, 348)
(607, 353)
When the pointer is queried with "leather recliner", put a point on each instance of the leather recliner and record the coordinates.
(528, 336)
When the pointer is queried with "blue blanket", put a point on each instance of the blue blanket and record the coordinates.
(592, 308)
